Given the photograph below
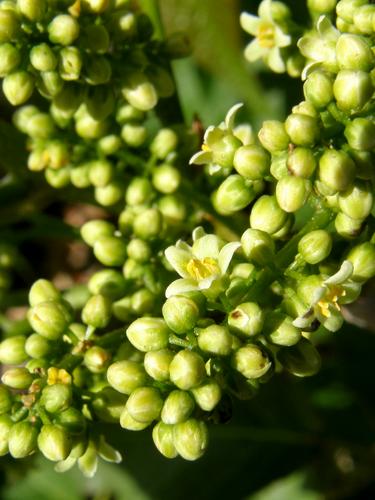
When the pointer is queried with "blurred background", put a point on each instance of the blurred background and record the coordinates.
(299, 439)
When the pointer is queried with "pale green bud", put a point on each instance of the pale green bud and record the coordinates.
(139, 191)
(70, 63)
(252, 162)
(305, 108)
(315, 246)
(5, 400)
(133, 270)
(279, 168)
(10, 58)
(58, 178)
(281, 331)
(346, 226)
(291, 192)
(363, 259)
(162, 435)
(251, 361)
(354, 53)
(9, 25)
(43, 58)
(352, 89)
(142, 301)
(108, 282)
(79, 176)
(246, 319)
(258, 246)
(110, 194)
(172, 208)
(95, 6)
(148, 224)
(95, 229)
(346, 8)
(72, 420)
(164, 143)
(129, 423)
(22, 439)
(58, 154)
(90, 128)
(17, 378)
(166, 178)
(177, 408)
(336, 169)
(41, 291)
(18, 87)
(56, 397)
(363, 19)
(357, 201)
(110, 250)
(140, 92)
(301, 162)
(109, 144)
(144, 404)
(34, 10)
(148, 334)
(50, 84)
(360, 134)
(302, 129)
(97, 311)
(302, 359)
(12, 350)
(40, 126)
(50, 319)
(134, 135)
(322, 6)
(54, 442)
(125, 376)
(127, 113)
(273, 136)
(187, 370)
(157, 364)
(190, 439)
(108, 405)
(233, 194)
(96, 359)
(6, 424)
(266, 215)
(216, 340)
(224, 149)
(318, 89)
(208, 395)
(101, 172)
(139, 250)
(63, 29)
(180, 313)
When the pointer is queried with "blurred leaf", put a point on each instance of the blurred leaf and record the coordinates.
(12, 148)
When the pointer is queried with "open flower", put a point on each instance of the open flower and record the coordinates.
(201, 266)
(326, 301)
(270, 36)
(220, 143)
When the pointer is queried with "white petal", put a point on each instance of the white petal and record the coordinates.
(318, 294)
(302, 321)
(231, 115)
(201, 158)
(65, 465)
(309, 68)
(206, 283)
(213, 135)
(326, 28)
(108, 453)
(345, 271)
(281, 38)
(226, 254)
(309, 46)
(183, 245)
(198, 232)
(275, 61)
(181, 286)
(254, 51)
(88, 463)
(178, 259)
(265, 10)
(244, 133)
(249, 23)
(208, 245)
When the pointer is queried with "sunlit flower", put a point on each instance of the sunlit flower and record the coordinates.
(269, 36)
(58, 376)
(202, 265)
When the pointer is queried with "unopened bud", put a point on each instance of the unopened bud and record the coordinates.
(190, 439)
(187, 370)
(144, 404)
(126, 376)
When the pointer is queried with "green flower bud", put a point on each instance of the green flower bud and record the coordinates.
(357, 201)
(54, 442)
(9, 25)
(12, 350)
(281, 331)
(98, 70)
(177, 408)
(134, 135)
(352, 89)
(187, 370)
(354, 53)
(79, 177)
(22, 439)
(139, 191)
(108, 282)
(108, 405)
(252, 162)
(56, 397)
(50, 84)
(17, 378)
(10, 58)
(258, 246)
(63, 29)
(133, 270)
(95, 38)
(5, 401)
(233, 195)
(180, 313)
(157, 364)
(302, 129)
(291, 192)
(164, 143)
(190, 439)
(6, 424)
(50, 319)
(127, 113)
(97, 311)
(95, 6)
(43, 58)
(318, 89)
(162, 435)
(148, 224)
(100, 102)
(315, 246)
(301, 162)
(110, 250)
(360, 134)
(346, 226)
(34, 10)
(247, 319)
(139, 250)
(322, 6)
(148, 334)
(109, 144)
(363, 19)
(129, 423)
(89, 128)
(72, 420)
(336, 170)
(101, 172)
(18, 87)
(70, 63)
(224, 149)
(144, 404)
(126, 376)
(266, 215)
(142, 301)
(346, 8)
(208, 395)
(166, 178)
(302, 359)
(96, 359)
(363, 259)
(140, 92)
(93, 230)
(173, 209)
(40, 126)
(216, 340)
(68, 100)
(251, 361)
(273, 136)
(41, 291)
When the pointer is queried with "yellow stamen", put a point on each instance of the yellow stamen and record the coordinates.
(205, 147)
(201, 269)
(58, 376)
(266, 35)
(332, 296)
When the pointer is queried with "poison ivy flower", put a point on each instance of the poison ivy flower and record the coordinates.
(202, 265)
(220, 143)
(270, 36)
(319, 46)
(326, 301)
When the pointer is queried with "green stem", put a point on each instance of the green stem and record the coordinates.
(70, 361)
(174, 340)
(112, 338)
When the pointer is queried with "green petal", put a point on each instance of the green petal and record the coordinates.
(178, 259)
(213, 135)
(249, 23)
(231, 115)
(181, 286)
(254, 51)
(344, 273)
(65, 465)
(265, 10)
(326, 29)
(226, 255)
(108, 453)
(207, 246)
(88, 463)
(198, 232)
(201, 158)
(281, 38)
(275, 61)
